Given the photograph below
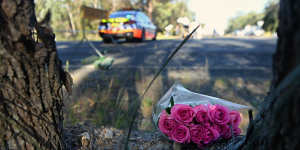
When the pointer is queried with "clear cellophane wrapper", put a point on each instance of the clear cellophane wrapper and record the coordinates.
(182, 95)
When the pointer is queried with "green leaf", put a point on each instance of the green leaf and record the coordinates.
(168, 110)
(172, 101)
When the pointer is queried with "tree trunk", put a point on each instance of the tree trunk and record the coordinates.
(277, 126)
(31, 80)
(149, 8)
(71, 20)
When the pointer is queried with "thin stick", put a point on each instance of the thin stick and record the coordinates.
(135, 110)
(250, 116)
(94, 48)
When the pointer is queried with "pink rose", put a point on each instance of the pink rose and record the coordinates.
(182, 113)
(181, 134)
(211, 107)
(200, 133)
(235, 118)
(196, 133)
(166, 123)
(237, 131)
(219, 114)
(202, 114)
(224, 130)
(209, 135)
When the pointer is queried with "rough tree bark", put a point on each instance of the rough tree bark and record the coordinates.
(31, 80)
(277, 126)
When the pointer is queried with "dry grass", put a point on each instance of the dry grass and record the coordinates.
(106, 98)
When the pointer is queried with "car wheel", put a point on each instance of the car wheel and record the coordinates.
(154, 38)
(143, 36)
(107, 40)
(128, 39)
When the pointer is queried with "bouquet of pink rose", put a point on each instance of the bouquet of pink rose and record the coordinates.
(201, 124)
(187, 117)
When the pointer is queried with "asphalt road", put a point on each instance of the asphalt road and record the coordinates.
(219, 54)
(237, 69)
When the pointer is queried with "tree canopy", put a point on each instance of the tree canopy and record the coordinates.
(269, 16)
(66, 14)
(240, 22)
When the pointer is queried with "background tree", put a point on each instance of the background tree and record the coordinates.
(271, 17)
(162, 14)
(66, 19)
(240, 22)
(31, 80)
(146, 6)
(167, 12)
(277, 126)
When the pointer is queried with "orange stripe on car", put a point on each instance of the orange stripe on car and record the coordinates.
(137, 33)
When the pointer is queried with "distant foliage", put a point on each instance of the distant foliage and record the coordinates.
(162, 14)
(269, 16)
(240, 22)
(166, 13)
(271, 20)
(66, 19)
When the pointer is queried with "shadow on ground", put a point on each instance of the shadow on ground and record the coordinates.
(106, 97)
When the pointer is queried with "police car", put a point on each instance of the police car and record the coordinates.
(133, 25)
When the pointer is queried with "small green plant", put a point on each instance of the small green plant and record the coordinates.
(168, 109)
(220, 83)
(89, 59)
(99, 117)
(67, 66)
(72, 118)
(121, 121)
(146, 108)
(147, 102)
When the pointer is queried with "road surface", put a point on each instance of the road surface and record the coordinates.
(220, 55)
(235, 69)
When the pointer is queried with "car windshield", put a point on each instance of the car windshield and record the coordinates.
(123, 14)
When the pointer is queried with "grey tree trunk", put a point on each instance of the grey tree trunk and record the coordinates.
(277, 126)
(31, 80)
